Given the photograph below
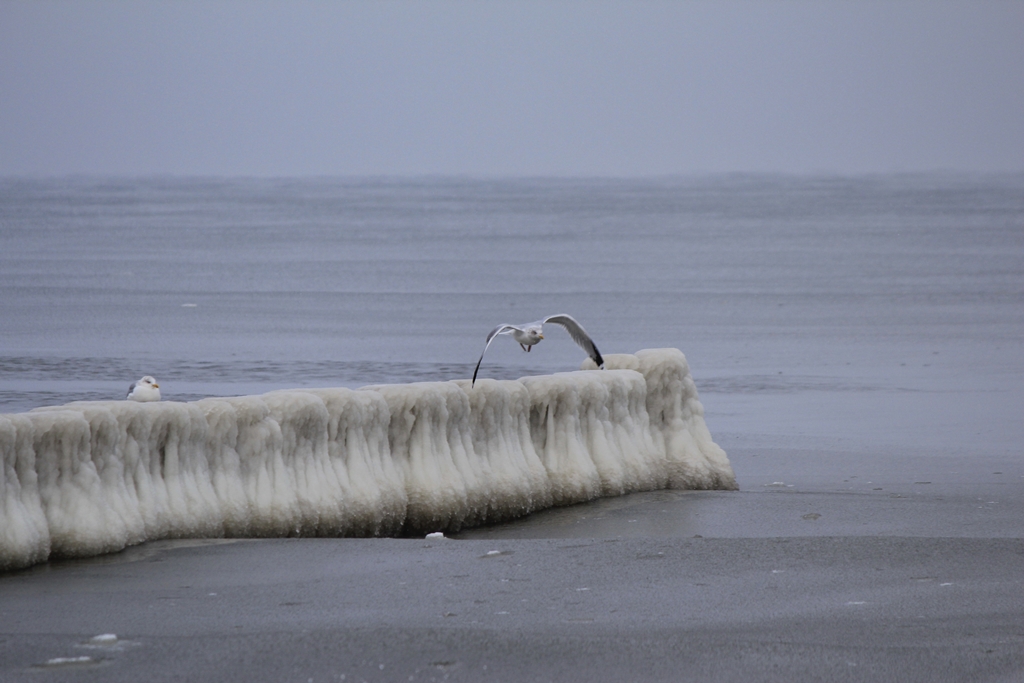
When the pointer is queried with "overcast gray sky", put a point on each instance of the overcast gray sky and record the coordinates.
(510, 88)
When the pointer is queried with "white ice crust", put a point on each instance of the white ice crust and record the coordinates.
(95, 477)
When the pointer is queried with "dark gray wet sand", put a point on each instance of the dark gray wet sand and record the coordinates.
(911, 572)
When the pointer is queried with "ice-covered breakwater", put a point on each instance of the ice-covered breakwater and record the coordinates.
(94, 477)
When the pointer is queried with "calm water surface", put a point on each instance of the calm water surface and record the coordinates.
(868, 310)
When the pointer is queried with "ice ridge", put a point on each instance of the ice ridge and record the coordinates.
(89, 478)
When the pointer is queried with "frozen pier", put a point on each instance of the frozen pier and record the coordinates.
(94, 477)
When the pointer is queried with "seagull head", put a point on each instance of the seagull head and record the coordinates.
(150, 381)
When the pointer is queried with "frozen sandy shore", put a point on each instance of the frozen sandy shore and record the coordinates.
(877, 578)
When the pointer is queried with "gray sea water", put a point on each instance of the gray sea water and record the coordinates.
(865, 312)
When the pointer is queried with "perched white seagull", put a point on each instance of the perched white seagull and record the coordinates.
(146, 389)
(529, 334)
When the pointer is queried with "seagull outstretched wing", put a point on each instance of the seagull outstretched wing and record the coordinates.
(578, 334)
(500, 329)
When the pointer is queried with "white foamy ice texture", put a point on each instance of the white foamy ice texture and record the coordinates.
(94, 477)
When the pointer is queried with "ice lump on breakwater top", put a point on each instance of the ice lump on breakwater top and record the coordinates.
(94, 477)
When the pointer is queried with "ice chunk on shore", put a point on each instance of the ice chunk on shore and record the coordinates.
(94, 477)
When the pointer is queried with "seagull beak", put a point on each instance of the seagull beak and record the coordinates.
(155, 385)
(540, 336)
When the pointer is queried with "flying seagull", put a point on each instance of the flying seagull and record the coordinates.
(146, 389)
(529, 334)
